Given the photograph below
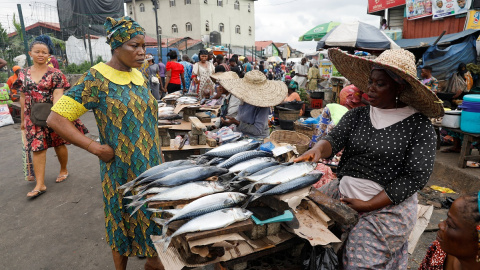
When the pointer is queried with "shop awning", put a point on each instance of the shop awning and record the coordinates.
(426, 42)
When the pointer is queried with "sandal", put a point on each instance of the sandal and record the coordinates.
(38, 193)
(61, 178)
(450, 150)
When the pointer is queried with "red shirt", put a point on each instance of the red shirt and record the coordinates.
(176, 69)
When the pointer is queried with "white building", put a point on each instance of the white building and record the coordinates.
(233, 19)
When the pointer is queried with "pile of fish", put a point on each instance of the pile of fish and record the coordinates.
(218, 182)
(166, 113)
(187, 100)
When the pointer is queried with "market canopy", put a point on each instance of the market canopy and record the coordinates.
(275, 59)
(357, 35)
(318, 31)
(426, 42)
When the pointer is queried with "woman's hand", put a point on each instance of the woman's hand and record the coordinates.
(229, 120)
(313, 155)
(22, 125)
(102, 151)
(357, 205)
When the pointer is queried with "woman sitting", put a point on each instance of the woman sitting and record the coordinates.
(389, 152)
(458, 241)
(293, 95)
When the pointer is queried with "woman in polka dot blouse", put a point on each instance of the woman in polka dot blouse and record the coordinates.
(389, 151)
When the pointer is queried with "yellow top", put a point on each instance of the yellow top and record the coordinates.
(120, 77)
(69, 108)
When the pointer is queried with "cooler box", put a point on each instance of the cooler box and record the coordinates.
(470, 119)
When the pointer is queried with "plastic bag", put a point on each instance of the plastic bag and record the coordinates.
(267, 147)
(456, 84)
(319, 258)
(5, 116)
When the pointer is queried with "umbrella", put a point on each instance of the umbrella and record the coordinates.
(275, 59)
(318, 31)
(357, 35)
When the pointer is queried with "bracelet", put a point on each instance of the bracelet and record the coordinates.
(89, 145)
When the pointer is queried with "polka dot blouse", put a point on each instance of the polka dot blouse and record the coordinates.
(399, 157)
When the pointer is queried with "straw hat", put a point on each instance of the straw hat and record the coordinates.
(220, 76)
(256, 90)
(401, 62)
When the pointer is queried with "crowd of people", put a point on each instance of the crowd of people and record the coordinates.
(382, 126)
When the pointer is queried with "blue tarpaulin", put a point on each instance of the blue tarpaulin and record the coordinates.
(444, 62)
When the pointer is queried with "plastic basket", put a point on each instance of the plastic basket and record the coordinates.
(300, 141)
(288, 115)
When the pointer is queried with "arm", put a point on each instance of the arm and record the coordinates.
(259, 124)
(70, 133)
(167, 79)
(159, 78)
(57, 94)
(182, 77)
(2, 63)
(22, 107)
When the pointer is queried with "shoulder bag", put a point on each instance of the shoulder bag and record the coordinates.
(40, 110)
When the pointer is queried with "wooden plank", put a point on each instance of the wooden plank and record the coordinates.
(186, 147)
(334, 209)
(169, 203)
(197, 123)
(237, 227)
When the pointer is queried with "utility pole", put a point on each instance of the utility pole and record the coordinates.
(90, 44)
(25, 43)
(134, 10)
(159, 41)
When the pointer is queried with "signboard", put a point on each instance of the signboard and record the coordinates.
(378, 5)
(473, 20)
(444, 8)
(419, 9)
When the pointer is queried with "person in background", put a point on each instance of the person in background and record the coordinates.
(128, 140)
(293, 95)
(154, 83)
(234, 66)
(11, 80)
(52, 61)
(41, 83)
(221, 65)
(201, 74)
(428, 80)
(210, 56)
(383, 25)
(5, 94)
(247, 66)
(352, 97)
(301, 73)
(313, 77)
(261, 67)
(188, 68)
(230, 103)
(388, 156)
(457, 246)
(465, 75)
(162, 70)
(174, 77)
(258, 95)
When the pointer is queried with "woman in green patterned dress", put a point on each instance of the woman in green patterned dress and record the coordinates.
(126, 116)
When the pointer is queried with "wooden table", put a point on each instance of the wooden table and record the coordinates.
(466, 151)
(187, 126)
(187, 150)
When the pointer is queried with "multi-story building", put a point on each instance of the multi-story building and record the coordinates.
(233, 19)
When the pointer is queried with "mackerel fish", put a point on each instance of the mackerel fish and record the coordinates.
(230, 149)
(243, 156)
(188, 175)
(249, 163)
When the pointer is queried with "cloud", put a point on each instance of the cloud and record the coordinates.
(286, 21)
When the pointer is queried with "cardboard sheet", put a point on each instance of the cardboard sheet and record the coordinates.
(293, 199)
(424, 214)
(311, 223)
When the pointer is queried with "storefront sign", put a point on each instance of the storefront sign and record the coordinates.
(378, 5)
(419, 8)
(444, 8)
(473, 20)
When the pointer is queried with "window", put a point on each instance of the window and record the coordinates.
(249, 30)
(188, 2)
(205, 1)
(130, 9)
(236, 5)
(188, 27)
(237, 29)
(159, 30)
(174, 28)
(142, 7)
(207, 26)
(220, 3)
(248, 7)
(221, 27)
(172, 3)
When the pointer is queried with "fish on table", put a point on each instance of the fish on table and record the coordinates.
(243, 156)
(198, 173)
(251, 163)
(230, 149)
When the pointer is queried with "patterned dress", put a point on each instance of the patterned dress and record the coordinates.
(187, 73)
(41, 138)
(126, 115)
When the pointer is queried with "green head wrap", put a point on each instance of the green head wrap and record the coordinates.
(121, 30)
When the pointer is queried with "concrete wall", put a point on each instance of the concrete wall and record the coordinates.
(197, 13)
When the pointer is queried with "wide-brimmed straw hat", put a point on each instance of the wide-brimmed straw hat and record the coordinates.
(229, 75)
(256, 90)
(401, 62)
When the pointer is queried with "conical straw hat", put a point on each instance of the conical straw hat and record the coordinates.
(401, 62)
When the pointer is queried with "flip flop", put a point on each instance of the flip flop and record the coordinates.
(61, 178)
(39, 192)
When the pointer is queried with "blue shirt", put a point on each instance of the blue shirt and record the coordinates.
(253, 120)
(162, 69)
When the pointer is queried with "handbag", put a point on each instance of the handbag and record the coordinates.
(154, 79)
(40, 110)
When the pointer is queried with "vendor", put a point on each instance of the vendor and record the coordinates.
(301, 73)
(293, 95)
(257, 95)
(389, 152)
(230, 102)
(428, 80)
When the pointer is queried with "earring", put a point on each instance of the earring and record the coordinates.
(396, 102)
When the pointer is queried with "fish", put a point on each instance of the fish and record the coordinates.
(230, 149)
(263, 173)
(169, 116)
(249, 163)
(211, 221)
(253, 169)
(154, 170)
(188, 175)
(290, 186)
(215, 161)
(285, 174)
(182, 192)
(200, 207)
(150, 179)
(153, 190)
(243, 156)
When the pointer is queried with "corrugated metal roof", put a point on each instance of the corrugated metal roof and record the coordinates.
(426, 42)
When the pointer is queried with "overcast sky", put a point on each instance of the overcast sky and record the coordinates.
(277, 20)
